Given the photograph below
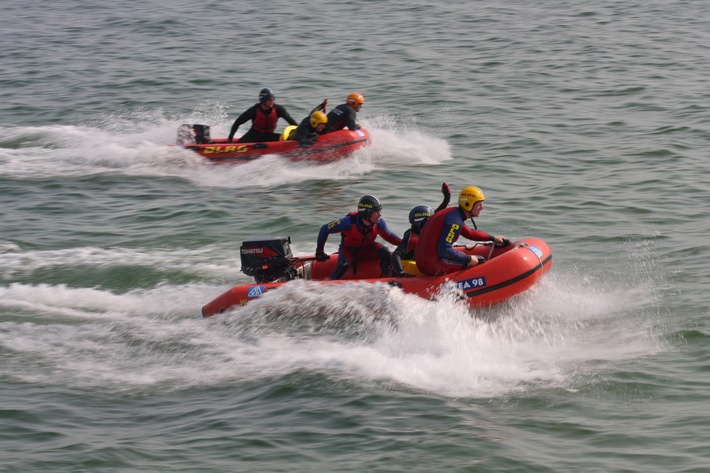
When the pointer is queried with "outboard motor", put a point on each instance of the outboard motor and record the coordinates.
(193, 134)
(268, 260)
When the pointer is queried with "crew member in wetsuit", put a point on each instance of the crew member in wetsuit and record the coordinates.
(345, 114)
(434, 253)
(418, 216)
(358, 233)
(312, 126)
(263, 115)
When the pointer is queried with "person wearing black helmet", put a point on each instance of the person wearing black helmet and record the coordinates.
(263, 115)
(418, 216)
(358, 233)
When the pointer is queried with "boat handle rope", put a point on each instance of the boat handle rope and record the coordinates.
(481, 243)
(525, 245)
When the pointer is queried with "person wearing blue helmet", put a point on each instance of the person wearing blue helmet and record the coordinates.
(418, 216)
(263, 115)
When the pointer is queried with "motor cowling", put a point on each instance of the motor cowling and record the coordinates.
(193, 134)
(268, 259)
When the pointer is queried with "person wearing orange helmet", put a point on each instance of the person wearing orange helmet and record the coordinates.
(435, 253)
(345, 115)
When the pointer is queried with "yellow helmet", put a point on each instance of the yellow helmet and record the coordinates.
(317, 118)
(355, 99)
(468, 196)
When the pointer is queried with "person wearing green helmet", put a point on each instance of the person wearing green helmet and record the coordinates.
(435, 253)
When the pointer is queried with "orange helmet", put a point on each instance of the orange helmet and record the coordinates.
(355, 99)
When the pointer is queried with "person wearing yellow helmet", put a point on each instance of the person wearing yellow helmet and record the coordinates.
(312, 126)
(345, 115)
(435, 252)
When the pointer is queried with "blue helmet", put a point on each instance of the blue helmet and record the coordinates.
(265, 94)
(419, 215)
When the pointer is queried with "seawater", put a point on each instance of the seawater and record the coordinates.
(585, 123)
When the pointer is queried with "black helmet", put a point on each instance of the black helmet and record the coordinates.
(367, 205)
(265, 94)
(419, 215)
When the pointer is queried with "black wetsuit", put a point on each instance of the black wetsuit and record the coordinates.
(254, 135)
(340, 117)
(305, 134)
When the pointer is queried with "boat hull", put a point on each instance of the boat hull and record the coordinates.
(328, 147)
(509, 271)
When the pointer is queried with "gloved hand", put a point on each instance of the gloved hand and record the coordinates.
(475, 261)
(308, 141)
(445, 189)
(321, 256)
(322, 106)
(500, 241)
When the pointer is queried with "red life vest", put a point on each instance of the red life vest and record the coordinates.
(265, 122)
(359, 237)
(413, 239)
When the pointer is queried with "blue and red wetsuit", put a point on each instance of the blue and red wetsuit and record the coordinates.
(434, 253)
(358, 242)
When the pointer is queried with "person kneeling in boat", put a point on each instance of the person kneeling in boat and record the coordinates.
(345, 114)
(435, 253)
(359, 231)
(263, 115)
(418, 216)
(312, 126)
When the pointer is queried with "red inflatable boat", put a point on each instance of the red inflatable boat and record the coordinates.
(328, 147)
(508, 271)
